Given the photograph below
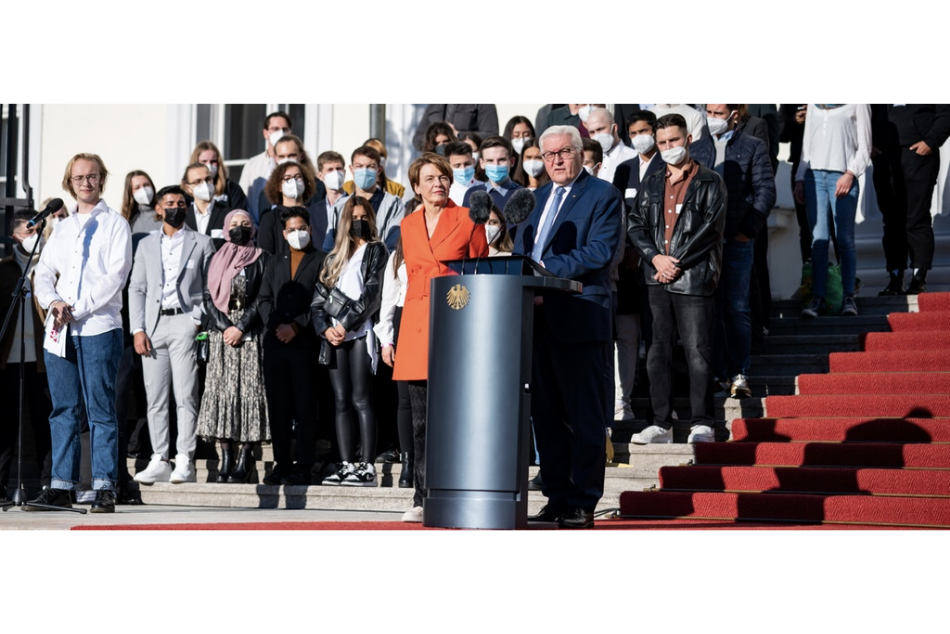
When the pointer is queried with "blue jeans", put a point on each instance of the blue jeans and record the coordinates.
(733, 316)
(85, 377)
(822, 206)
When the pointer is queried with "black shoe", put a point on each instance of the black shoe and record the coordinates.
(126, 497)
(104, 502)
(389, 456)
(275, 476)
(918, 283)
(245, 467)
(408, 465)
(51, 497)
(535, 483)
(226, 464)
(576, 518)
(299, 476)
(3, 493)
(548, 513)
(894, 287)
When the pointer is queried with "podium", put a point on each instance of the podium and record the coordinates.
(478, 411)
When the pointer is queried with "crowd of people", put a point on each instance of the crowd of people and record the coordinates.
(265, 306)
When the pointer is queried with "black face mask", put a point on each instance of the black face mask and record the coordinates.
(240, 235)
(360, 229)
(175, 216)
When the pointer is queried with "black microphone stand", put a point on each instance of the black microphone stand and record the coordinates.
(19, 301)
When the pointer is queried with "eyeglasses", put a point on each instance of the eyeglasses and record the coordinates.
(92, 179)
(565, 154)
(298, 178)
(208, 180)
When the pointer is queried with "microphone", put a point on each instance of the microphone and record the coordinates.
(54, 205)
(519, 206)
(480, 207)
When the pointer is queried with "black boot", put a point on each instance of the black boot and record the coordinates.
(895, 286)
(405, 478)
(245, 465)
(226, 463)
(918, 283)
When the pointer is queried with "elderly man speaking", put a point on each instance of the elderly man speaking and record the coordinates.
(574, 232)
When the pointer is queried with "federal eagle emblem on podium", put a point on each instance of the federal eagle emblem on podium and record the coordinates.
(457, 297)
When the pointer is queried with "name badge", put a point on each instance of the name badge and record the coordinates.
(190, 265)
(217, 233)
(679, 208)
(631, 192)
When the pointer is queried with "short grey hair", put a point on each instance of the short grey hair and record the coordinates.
(557, 130)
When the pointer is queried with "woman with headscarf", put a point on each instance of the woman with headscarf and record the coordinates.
(234, 406)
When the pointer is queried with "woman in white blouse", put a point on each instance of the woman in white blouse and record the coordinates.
(345, 301)
(835, 152)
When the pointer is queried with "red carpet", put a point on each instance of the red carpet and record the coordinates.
(867, 444)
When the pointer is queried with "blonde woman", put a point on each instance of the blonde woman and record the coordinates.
(225, 190)
(346, 299)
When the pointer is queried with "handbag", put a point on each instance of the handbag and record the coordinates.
(833, 288)
(336, 302)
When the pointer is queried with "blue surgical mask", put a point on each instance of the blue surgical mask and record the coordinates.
(364, 178)
(497, 173)
(464, 175)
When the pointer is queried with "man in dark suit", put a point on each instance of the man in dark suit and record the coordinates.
(574, 232)
(291, 348)
(205, 214)
(641, 129)
(906, 158)
(480, 118)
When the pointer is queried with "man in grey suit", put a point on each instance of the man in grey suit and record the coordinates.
(169, 275)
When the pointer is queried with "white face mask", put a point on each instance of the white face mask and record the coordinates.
(606, 141)
(584, 112)
(518, 144)
(643, 143)
(673, 156)
(589, 169)
(717, 126)
(475, 157)
(382, 161)
(30, 241)
(274, 137)
(491, 233)
(213, 168)
(143, 195)
(292, 188)
(202, 191)
(333, 180)
(298, 239)
(533, 167)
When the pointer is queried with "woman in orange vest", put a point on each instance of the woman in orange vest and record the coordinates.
(438, 231)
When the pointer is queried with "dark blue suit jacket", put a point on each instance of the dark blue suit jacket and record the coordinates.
(581, 246)
(627, 178)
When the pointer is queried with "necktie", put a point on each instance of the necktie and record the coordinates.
(546, 227)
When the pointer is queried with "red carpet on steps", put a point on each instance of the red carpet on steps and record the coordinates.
(867, 444)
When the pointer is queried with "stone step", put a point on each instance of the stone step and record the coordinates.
(828, 326)
(725, 409)
(810, 343)
(870, 305)
(788, 364)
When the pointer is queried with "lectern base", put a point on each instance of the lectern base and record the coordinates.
(500, 510)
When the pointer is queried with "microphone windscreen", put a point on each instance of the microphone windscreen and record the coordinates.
(55, 205)
(519, 206)
(479, 207)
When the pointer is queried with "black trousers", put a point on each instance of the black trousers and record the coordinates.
(38, 405)
(692, 316)
(569, 403)
(290, 383)
(904, 182)
(351, 376)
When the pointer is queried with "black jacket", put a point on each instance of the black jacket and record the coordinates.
(480, 118)
(283, 300)
(894, 127)
(250, 321)
(354, 311)
(218, 212)
(750, 182)
(697, 236)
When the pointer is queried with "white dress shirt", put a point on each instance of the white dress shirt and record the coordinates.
(394, 294)
(836, 139)
(171, 265)
(617, 155)
(92, 255)
(457, 190)
(695, 120)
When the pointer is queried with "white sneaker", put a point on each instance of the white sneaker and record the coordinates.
(363, 476)
(622, 411)
(701, 433)
(653, 434)
(184, 470)
(413, 515)
(158, 470)
(336, 479)
(740, 387)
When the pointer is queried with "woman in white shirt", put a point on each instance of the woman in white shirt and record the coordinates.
(345, 301)
(835, 152)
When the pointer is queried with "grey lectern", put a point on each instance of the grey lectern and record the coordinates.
(477, 436)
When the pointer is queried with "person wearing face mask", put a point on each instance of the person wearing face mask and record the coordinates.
(225, 189)
(385, 182)
(169, 275)
(474, 141)
(497, 159)
(258, 168)
(496, 232)
(331, 171)
(480, 118)
(137, 205)
(204, 215)
(677, 227)
(389, 210)
(234, 406)
(438, 135)
(574, 114)
(38, 403)
(291, 350)
(460, 159)
(603, 130)
(628, 178)
(290, 148)
(289, 185)
(695, 120)
(530, 172)
(519, 130)
(347, 296)
(593, 157)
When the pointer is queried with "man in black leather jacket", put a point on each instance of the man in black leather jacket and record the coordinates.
(677, 227)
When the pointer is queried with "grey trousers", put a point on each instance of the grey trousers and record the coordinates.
(172, 363)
